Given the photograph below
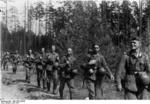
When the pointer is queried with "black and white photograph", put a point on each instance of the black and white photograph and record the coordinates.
(74, 50)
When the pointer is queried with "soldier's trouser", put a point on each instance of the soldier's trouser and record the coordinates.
(95, 88)
(14, 68)
(39, 76)
(91, 88)
(70, 84)
(136, 95)
(44, 78)
(98, 87)
(5, 65)
(49, 78)
(28, 74)
(55, 81)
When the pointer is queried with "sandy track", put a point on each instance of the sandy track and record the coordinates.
(14, 87)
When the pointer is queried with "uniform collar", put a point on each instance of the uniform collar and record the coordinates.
(54, 53)
(97, 54)
(68, 55)
(137, 54)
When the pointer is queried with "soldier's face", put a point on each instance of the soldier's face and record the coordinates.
(43, 49)
(96, 48)
(30, 51)
(53, 48)
(135, 44)
(69, 51)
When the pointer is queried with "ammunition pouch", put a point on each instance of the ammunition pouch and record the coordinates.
(74, 72)
(28, 66)
(49, 67)
(39, 66)
(101, 71)
(132, 72)
(148, 89)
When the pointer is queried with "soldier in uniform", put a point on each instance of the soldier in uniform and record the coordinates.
(5, 60)
(40, 67)
(84, 66)
(28, 63)
(96, 71)
(43, 61)
(133, 72)
(15, 61)
(48, 71)
(67, 73)
(52, 73)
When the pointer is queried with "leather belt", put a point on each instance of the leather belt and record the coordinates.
(133, 72)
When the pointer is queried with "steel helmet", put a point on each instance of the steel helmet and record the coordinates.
(144, 78)
(101, 70)
(74, 71)
(92, 62)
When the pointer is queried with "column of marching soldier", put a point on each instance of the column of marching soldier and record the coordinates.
(49, 70)
(132, 76)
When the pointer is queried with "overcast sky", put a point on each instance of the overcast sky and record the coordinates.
(20, 3)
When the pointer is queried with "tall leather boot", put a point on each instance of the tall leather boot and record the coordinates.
(44, 84)
(48, 86)
(38, 82)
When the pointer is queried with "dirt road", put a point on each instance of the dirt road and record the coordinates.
(15, 87)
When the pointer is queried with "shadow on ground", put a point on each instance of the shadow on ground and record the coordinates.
(15, 86)
(19, 81)
(35, 92)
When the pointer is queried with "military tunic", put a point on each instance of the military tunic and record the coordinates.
(128, 74)
(52, 72)
(28, 63)
(15, 62)
(66, 76)
(40, 65)
(95, 81)
(5, 60)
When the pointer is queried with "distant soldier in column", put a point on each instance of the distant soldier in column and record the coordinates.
(55, 69)
(15, 61)
(133, 72)
(49, 64)
(39, 67)
(5, 60)
(54, 60)
(28, 63)
(43, 62)
(67, 73)
(97, 70)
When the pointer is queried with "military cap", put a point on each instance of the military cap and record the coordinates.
(135, 38)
